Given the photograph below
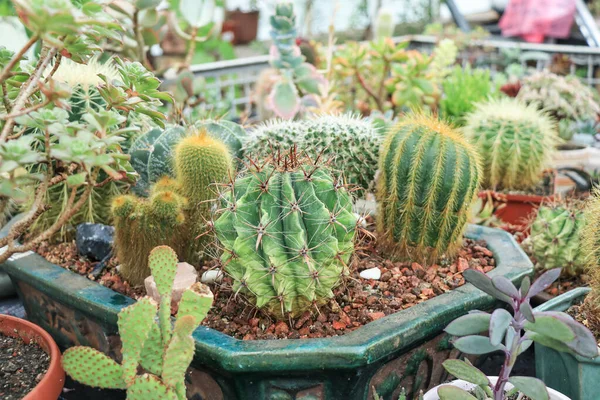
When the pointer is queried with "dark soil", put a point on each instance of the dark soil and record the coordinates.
(22, 367)
(565, 283)
(587, 314)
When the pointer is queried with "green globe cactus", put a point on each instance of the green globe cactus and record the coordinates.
(352, 143)
(177, 212)
(429, 177)
(516, 142)
(230, 133)
(556, 239)
(288, 230)
(164, 350)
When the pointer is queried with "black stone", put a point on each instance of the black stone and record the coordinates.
(94, 241)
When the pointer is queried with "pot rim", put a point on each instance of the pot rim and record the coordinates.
(55, 372)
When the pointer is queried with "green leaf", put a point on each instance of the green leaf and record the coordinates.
(469, 324)
(531, 387)
(197, 12)
(499, 323)
(552, 327)
(424, 85)
(476, 345)
(548, 342)
(77, 179)
(284, 100)
(505, 286)
(466, 372)
(449, 392)
(145, 4)
(482, 282)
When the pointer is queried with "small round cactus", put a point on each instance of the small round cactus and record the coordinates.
(516, 142)
(556, 239)
(429, 176)
(287, 229)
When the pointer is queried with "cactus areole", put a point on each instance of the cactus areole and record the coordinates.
(287, 229)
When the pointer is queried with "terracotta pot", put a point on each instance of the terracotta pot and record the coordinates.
(516, 209)
(245, 25)
(51, 385)
(432, 394)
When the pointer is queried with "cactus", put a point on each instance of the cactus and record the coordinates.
(288, 232)
(462, 90)
(564, 97)
(515, 141)
(177, 211)
(230, 133)
(429, 176)
(165, 350)
(556, 235)
(384, 24)
(351, 142)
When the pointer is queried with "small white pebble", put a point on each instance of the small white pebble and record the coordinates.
(214, 275)
(371, 273)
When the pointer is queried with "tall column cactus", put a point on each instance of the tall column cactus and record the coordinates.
(164, 350)
(516, 142)
(288, 233)
(177, 211)
(429, 177)
(591, 241)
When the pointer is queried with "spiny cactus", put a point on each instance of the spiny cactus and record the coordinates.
(463, 89)
(556, 238)
(287, 229)
(562, 96)
(429, 176)
(591, 238)
(384, 24)
(351, 142)
(230, 133)
(177, 211)
(164, 350)
(515, 142)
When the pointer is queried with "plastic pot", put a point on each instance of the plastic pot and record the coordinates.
(516, 209)
(51, 385)
(432, 394)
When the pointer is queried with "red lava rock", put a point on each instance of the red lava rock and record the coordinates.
(254, 322)
(417, 269)
(281, 328)
(302, 320)
(462, 264)
(486, 252)
(376, 315)
(337, 325)
(427, 292)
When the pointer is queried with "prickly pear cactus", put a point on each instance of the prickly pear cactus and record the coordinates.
(288, 233)
(429, 177)
(164, 350)
(516, 142)
(351, 143)
(556, 239)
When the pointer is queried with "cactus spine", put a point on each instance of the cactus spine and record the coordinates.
(429, 177)
(591, 240)
(556, 239)
(516, 142)
(178, 210)
(164, 352)
(288, 233)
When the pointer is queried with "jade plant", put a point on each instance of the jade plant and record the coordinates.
(516, 142)
(556, 238)
(164, 350)
(177, 212)
(351, 143)
(463, 89)
(296, 77)
(429, 175)
(512, 335)
(287, 230)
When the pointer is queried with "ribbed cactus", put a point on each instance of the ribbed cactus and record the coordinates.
(350, 142)
(591, 239)
(429, 176)
(515, 141)
(556, 239)
(177, 211)
(164, 350)
(287, 229)
(230, 133)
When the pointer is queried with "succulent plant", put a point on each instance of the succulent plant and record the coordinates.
(463, 89)
(513, 335)
(516, 142)
(591, 238)
(383, 24)
(429, 175)
(351, 142)
(564, 97)
(177, 212)
(164, 350)
(287, 229)
(556, 238)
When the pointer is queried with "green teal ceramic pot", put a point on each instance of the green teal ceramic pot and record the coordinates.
(403, 350)
(575, 376)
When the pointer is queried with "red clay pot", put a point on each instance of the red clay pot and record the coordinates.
(516, 209)
(51, 385)
(245, 25)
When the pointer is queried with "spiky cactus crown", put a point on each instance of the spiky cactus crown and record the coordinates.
(429, 176)
(563, 97)
(164, 350)
(350, 142)
(287, 229)
(556, 238)
(516, 142)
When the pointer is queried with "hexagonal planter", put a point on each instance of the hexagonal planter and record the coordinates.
(405, 349)
(575, 376)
